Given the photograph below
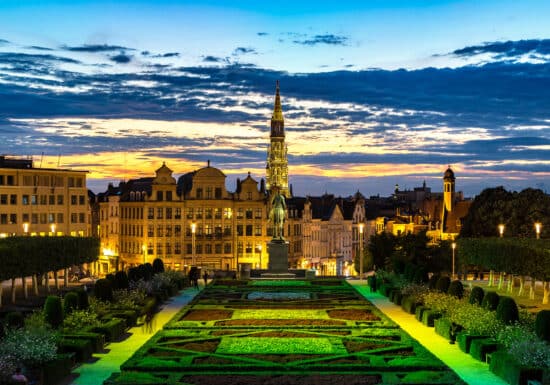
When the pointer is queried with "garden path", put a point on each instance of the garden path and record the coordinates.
(472, 371)
(118, 352)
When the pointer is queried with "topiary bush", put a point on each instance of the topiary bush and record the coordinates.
(398, 266)
(507, 310)
(121, 281)
(148, 269)
(103, 290)
(542, 325)
(70, 302)
(443, 284)
(83, 300)
(15, 320)
(420, 275)
(456, 289)
(490, 301)
(134, 274)
(409, 271)
(476, 296)
(158, 266)
(53, 311)
(432, 282)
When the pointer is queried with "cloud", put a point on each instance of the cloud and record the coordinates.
(213, 59)
(96, 48)
(4, 41)
(38, 48)
(507, 48)
(328, 39)
(162, 55)
(244, 51)
(121, 58)
(262, 33)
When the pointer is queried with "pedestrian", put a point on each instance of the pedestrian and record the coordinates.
(18, 377)
(149, 322)
(205, 276)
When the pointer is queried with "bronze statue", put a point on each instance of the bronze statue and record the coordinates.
(277, 214)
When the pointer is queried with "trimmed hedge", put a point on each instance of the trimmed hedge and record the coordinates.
(83, 300)
(97, 340)
(506, 367)
(130, 316)
(443, 327)
(507, 310)
(409, 304)
(490, 301)
(418, 312)
(82, 348)
(476, 296)
(53, 311)
(542, 325)
(113, 329)
(432, 282)
(465, 339)
(15, 319)
(70, 302)
(103, 290)
(58, 369)
(456, 289)
(443, 284)
(429, 316)
(480, 347)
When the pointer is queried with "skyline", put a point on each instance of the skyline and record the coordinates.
(388, 92)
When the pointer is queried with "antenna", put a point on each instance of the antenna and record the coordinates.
(41, 158)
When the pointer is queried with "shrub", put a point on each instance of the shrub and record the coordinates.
(456, 289)
(490, 301)
(134, 274)
(15, 319)
(475, 320)
(83, 300)
(398, 266)
(420, 275)
(80, 319)
(120, 281)
(507, 310)
(542, 325)
(70, 302)
(429, 316)
(476, 296)
(53, 311)
(36, 320)
(409, 271)
(129, 299)
(158, 266)
(442, 284)
(32, 347)
(432, 282)
(524, 345)
(103, 290)
(148, 271)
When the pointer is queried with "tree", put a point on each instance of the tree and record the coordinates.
(368, 262)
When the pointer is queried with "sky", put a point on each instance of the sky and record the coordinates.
(374, 93)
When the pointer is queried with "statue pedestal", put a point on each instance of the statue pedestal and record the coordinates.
(278, 260)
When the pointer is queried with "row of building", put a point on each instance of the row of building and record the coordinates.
(196, 220)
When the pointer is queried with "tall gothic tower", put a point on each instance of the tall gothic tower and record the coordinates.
(277, 162)
(448, 188)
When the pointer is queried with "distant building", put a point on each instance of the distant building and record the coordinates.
(42, 201)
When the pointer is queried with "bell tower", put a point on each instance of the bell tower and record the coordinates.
(448, 188)
(277, 162)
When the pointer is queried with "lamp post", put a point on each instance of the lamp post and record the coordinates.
(193, 229)
(453, 246)
(260, 248)
(501, 230)
(26, 228)
(52, 228)
(361, 252)
(144, 251)
(538, 226)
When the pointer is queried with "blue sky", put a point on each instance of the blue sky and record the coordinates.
(374, 92)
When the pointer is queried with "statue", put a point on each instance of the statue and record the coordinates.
(277, 214)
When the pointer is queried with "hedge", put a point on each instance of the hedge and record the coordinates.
(113, 329)
(82, 348)
(97, 340)
(506, 367)
(429, 316)
(480, 347)
(465, 339)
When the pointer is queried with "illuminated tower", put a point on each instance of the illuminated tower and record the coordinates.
(277, 162)
(448, 189)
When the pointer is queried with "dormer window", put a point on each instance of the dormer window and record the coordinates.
(160, 196)
(199, 193)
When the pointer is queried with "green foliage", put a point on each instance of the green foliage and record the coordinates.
(420, 275)
(83, 300)
(103, 290)
(70, 302)
(36, 320)
(158, 266)
(410, 269)
(120, 281)
(53, 311)
(129, 299)
(32, 347)
(368, 262)
(15, 319)
(542, 325)
(507, 310)
(456, 289)
(490, 301)
(381, 246)
(134, 274)
(525, 346)
(442, 284)
(432, 282)
(415, 291)
(26, 256)
(79, 320)
(476, 296)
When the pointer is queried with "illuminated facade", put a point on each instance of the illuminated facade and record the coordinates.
(39, 201)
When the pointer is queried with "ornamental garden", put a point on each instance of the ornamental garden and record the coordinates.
(282, 331)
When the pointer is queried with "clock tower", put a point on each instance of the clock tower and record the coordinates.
(277, 162)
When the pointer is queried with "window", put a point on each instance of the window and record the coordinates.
(159, 248)
(199, 193)
(34, 219)
(226, 230)
(218, 248)
(60, 218)
(239, 247)
(208, 213)
(160, 196)
(218, 230)
(198, 214)
(168, 248)
(189, 248)
(10, 180)
(81, 200)
(160, 212)
(248, 213)
(218, 213)
(227, 213)
(13, 199)
(240, 213)
(60, 199)
(34, 199)
(1, 180)
(169, 195)
(150, 213)
(208, 230)
(227, 248)
(198, 249)
(208, 248)
(177, 248)
(177, 213)
(177, 230)
(74, 217)
(248, 247)
(258, 213)
(189, 214)
(43, 200)
(150, 248)
(240, 230)
(78, 182)
(13, 219)
(4, 199)
(25, 217)
(209, 193)
(3, 219)
(51, 218)
(43, 218)
(51, 200)
(248, 230)
(82, 218)
(25, 199)
(159, 231)
(218, 193)
(168, 213)
(150, 231)
(168, 231)
(258, 230)
(71, 181)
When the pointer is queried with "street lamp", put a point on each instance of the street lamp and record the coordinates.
(26, 228)
(144, 251)
(538, 225)
(501, 230)
(193, 229)
(52, 228)
(260, 248)
(453, 246)
(361, 252)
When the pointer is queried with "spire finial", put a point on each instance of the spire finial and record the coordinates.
(277, 109)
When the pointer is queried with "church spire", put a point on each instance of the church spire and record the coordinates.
(277, 120)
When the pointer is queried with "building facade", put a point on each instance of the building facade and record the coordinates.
(40, 201)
